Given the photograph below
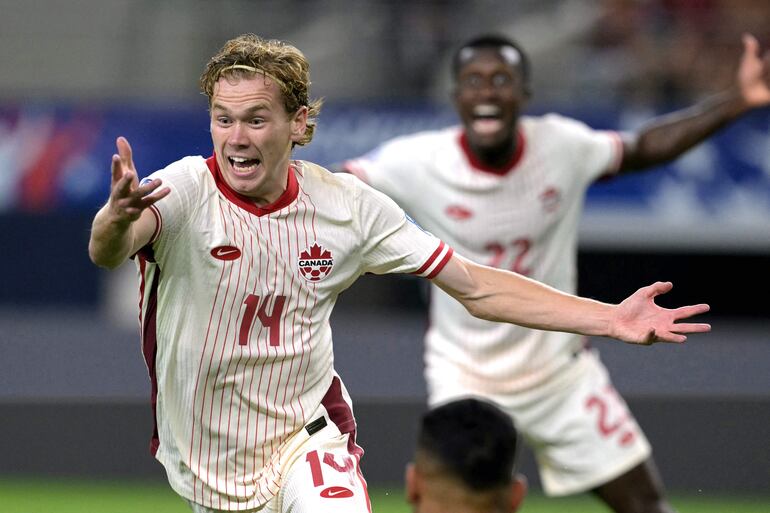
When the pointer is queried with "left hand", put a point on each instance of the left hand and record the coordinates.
(638, 320)
(753, 78)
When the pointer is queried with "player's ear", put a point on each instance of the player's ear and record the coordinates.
(518, 491)
(298, 124)
(412, 487)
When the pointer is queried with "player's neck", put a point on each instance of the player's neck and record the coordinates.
(496, 156)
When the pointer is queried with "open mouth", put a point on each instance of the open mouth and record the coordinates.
(243, 165)
(487, 119)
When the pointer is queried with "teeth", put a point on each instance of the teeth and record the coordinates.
(239, 159)
(486, 110)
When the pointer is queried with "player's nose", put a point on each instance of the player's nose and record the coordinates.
(236, 136)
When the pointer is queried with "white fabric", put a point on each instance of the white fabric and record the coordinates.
(242, 347)
(525, 220)
(321, 475)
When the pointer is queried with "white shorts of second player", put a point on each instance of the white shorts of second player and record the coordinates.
(578, 426)
(324, 478)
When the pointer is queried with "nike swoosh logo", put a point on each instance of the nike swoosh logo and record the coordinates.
(226, 252)
(336, 492)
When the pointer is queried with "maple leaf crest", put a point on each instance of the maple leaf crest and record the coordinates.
(315, 263)
(316, 251)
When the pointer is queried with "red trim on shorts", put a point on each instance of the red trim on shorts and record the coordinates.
(500, 171)
(246, 203)
(342, 416)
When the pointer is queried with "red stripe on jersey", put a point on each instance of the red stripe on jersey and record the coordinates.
(246, 203)
(150, 351)
(203, 399)
(430, 259)
(244, 231)
(158, 223)
(235, 308)
(313, 286)
(142, 283)
(441, 264)
(500, 171)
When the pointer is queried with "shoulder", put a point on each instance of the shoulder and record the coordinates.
(187, 168)
(561, 130)
(553, 121)
(323, 185)
(420, 143)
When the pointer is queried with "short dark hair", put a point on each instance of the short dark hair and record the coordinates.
(472, 440)
(493, 41)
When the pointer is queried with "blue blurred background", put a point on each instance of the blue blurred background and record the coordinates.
(77, 74)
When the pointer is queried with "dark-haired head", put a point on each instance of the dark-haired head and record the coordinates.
(511, 51)
(471, 439)
(465, 460)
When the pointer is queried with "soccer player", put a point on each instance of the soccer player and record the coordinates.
(507, 190)
(465, 461)
(242, 256)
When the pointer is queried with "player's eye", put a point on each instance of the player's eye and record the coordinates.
(223, 120)
(256, 121)
(471, 81)
(501, 80)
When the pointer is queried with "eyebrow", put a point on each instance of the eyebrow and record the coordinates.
(249, 111)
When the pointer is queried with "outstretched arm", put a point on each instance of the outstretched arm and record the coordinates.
(667, 137)
(498, 295)
(124, 225)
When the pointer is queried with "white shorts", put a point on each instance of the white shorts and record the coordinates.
(579, 428)
(322, 473)
(325, 479)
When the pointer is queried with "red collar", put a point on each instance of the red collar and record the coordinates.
(246, 203)
(500, 171)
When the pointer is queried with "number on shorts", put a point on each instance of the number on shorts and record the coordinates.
(603, 423)
(316, 472)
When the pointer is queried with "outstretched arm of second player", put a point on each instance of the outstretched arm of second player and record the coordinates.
(498, 295)
(124, 225)
(666, 137)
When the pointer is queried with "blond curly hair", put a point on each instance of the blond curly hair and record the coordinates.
(249, 54)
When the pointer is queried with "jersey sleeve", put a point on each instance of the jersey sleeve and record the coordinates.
(387, 168)
(596, 153)
(393, 242)
(172, 212)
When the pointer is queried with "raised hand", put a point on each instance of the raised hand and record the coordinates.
(754, 73)
(128, 199)
(638, 320)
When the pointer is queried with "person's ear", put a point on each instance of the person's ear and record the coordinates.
(299, 124)
(518, 491)
(412, 486)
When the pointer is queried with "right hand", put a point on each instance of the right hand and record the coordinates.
(754, 73)
(127, 198)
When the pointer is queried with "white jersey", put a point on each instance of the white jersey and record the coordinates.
(522, 218)
(235, 306)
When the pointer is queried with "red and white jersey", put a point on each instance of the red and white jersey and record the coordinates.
(522, 218)
(235, 306)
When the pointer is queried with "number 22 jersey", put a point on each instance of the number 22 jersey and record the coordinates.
(523, 218)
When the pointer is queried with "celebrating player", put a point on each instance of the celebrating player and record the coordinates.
(465, 461)
(507, 191)
(242, 256)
